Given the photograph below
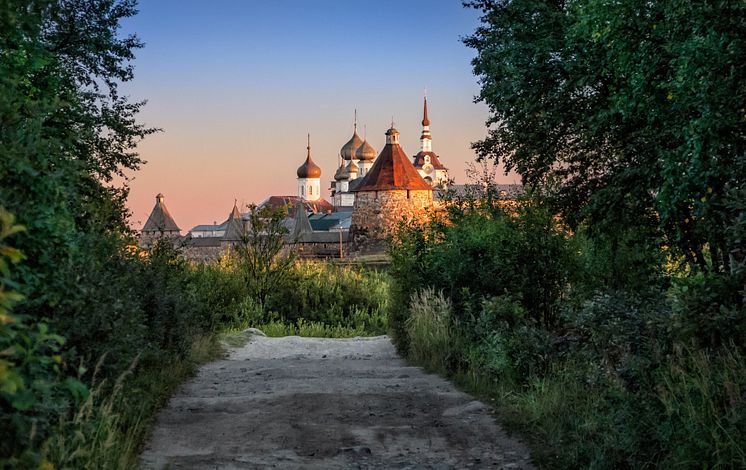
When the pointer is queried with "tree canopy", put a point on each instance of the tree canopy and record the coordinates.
(65, 130)
(626, 114)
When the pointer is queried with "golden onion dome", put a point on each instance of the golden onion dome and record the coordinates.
(366, 152)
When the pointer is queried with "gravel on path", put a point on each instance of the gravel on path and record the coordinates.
(317, 403)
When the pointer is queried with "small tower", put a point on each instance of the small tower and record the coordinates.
(159, 223)
(234, 226)
(391, 191)
(309, 177)
(426, 161)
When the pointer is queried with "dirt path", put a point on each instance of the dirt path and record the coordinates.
(324, 404)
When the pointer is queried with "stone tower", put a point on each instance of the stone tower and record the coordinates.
(391, 191)
(159, 224)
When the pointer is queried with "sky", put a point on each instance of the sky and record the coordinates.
(236, 87)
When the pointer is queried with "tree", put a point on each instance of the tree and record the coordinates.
(626, 114)
(264, 256)
(66, 131)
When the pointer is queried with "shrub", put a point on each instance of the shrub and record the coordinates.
(34, 392)
(331, 294)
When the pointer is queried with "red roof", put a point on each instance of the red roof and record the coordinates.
(425, 120)
(419, 160)
(318, 206)
(392, 170)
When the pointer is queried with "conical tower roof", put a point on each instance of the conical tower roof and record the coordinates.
(160, 219)
(392, 170)
(302, 224)
(234, 225)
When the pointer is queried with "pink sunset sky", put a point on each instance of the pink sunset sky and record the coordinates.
(236, 86)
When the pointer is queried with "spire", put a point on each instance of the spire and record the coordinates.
(354, 122)
(235, 213)
(426, 144)
(308, 147)
(234, 228)
(425, 120)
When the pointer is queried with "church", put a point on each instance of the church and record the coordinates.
(371, 193)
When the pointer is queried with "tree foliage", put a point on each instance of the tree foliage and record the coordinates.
(262, 252)
(66, 131)
(627, 113)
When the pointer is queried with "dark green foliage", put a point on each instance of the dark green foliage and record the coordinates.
(222, 292)
(312, 292)
(33, 388)
(87, 295)
(335, 295)
(262, 253)
(487, 251)
(709, 311)
(626, 113)
(638, 367)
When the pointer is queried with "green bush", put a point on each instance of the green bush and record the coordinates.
(344, 298)
(34, 391)
(222, 292)
(521, 251)
(331, 294)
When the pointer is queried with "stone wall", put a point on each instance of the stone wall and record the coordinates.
(376, 215)
(319, 250)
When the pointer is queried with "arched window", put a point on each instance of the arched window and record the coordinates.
(302, 190)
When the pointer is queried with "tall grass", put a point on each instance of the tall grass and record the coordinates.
(429, 329)
(109, 427)
(592, 410)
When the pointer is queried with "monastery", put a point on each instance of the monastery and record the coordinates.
(371, 193)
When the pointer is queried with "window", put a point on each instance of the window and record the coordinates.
(310, 190)
(302, 190)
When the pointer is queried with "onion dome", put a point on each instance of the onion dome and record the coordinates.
(366, 152)
(350, 148)
(340, 174)
(352, 167)
(309, 169)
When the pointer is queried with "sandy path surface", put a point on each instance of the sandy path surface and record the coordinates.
(324, 404)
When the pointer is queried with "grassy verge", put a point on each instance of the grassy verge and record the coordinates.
(685, 410)
(108, 430)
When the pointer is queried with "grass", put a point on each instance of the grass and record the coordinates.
(428, 328)
(312, 329)
(109, 428)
